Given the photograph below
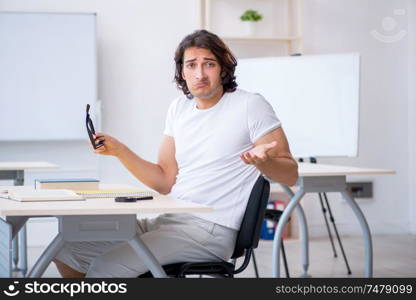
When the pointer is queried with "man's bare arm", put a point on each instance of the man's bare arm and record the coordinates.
(271, 155)
(160, 176)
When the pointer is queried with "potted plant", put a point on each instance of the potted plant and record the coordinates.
(250, 18)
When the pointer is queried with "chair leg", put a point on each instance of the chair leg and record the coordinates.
(285, 260)
(256, 271)
(324, 211)
(331, 217)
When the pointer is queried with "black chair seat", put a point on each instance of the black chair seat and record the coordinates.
(273, 215)
(179, 270)
(169, 269)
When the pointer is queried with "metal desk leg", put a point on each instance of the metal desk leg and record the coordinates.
(22, 263)
(18, 225)
(20, 242)
(22, 251)
(366, 232)
(6, 240)
(304, 236)
(148, 258)
(15, 252)
(279, 230)
(45, 259)
(304, 239)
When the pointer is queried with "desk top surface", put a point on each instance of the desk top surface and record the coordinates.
(23, 165)
(98, 206)
(308, 169)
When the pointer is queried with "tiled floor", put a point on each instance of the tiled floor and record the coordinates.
(394, 256)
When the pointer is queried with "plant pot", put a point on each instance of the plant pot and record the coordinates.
(251, 28)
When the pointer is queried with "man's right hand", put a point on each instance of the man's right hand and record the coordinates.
(111, 146)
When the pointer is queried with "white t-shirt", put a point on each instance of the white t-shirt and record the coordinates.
(208, 146)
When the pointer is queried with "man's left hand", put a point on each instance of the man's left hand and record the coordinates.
(258, 154)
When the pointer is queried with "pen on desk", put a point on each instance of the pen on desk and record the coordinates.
(145, 198)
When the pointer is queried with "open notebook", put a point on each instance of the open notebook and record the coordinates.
(43, 195)
(112, 193)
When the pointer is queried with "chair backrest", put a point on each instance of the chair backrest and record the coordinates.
(249, 234)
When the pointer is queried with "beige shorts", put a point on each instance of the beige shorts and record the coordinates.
(172, 238)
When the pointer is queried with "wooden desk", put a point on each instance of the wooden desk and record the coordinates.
(25, 165)
(317, 170)
(88, 220)
(319, 178)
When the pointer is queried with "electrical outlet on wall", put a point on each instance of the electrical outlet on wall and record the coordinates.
(361, 189)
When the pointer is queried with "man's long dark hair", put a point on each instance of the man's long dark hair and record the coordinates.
(207, 40)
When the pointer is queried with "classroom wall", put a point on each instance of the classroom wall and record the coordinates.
(137, 39)
(412, 113)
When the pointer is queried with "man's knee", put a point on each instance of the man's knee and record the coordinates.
(66, 271)
(102, 267)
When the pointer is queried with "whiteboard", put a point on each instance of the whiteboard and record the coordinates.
(315, 96)
(48, 73)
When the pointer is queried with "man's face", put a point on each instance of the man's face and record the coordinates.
(201, 72)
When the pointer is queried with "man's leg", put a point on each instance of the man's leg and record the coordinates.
(66, 271)
(75, 258)
(171, 240)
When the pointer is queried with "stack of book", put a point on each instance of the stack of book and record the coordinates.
(88, 188)
(69, 184)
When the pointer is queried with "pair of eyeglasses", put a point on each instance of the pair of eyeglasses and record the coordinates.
(91, 130)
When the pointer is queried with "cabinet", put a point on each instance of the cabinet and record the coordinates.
(280, 29)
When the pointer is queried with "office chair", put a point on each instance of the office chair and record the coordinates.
(247, 240)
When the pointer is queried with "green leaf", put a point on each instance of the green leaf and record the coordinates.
(251, 15)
